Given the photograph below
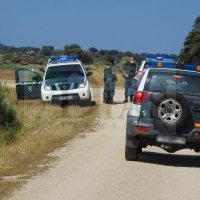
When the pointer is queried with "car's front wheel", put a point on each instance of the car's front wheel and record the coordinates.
(131, 154)
(87, 102)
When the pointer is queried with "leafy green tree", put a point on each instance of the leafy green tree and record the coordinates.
(93, 49)
(128, 53)
(83, 56)
(113, 52)
(48, 47)
(103, 52)
(66, 47)
(46, 51)
(190, 53)
(196, 25)
(74, 46)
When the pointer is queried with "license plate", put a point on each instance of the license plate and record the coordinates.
(171, 139)
(65, 98)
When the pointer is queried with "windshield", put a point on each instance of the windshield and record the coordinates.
(183, 83)
(64, 71)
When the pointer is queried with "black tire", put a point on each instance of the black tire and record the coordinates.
(140, 149)
(176, 102)
(87, 102)
(131, 154)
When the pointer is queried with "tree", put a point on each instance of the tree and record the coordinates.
(93, 50)
(48, 47)
(83, 56)
(197, 23)
(190, 53)
(46, 51)
(66, 47)
(113, 52)
(128, 53)
(74, 46)
(103, 52)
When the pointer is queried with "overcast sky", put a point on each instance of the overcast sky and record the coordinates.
(139, 26)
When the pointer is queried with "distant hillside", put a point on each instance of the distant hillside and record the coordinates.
(1, 45)
(28, 47)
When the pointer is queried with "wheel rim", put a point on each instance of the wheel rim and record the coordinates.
(169, 110)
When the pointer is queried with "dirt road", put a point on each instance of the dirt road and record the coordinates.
(94, 168)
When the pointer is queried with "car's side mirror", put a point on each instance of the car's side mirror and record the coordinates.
(42, 69)
(89, 73)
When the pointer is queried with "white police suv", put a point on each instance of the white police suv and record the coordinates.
(165, 111)
(65, 80)
(152, 61)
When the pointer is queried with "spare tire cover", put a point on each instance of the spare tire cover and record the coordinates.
(169, 111)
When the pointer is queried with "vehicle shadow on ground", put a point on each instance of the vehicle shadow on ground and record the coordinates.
(174, 160)
(93, 103)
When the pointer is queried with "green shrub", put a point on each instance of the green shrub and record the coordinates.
(8, 135)
(9, 121)
(23, 62)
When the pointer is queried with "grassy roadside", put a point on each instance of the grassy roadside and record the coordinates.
(45, 128)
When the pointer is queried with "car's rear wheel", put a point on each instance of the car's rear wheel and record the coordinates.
(140, 148)
(169, 111)
(131, 154)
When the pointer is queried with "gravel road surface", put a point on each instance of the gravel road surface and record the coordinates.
(94, 167)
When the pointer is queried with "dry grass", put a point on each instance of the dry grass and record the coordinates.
(45, 129)
(7, 75)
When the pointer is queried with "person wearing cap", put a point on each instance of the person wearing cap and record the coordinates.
(129, 71)
(109, 81)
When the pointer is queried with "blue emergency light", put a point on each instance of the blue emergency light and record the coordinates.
(192, 67)
(63, 58)
(161, 64)
(158, 58)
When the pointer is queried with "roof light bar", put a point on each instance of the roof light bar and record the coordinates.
(158, 58)
(161, 64)
(62, 58)
(192, 67)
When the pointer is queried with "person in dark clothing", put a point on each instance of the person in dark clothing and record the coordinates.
(129, 71)
(109, 81)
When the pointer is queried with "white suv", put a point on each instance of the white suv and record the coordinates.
(65, 80)
(153, 61)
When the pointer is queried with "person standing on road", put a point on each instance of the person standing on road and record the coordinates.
(109, 81)
(129, 71)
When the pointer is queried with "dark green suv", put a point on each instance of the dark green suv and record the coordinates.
(165, 112)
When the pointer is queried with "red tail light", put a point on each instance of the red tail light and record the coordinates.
(139, 97)
(141, 129)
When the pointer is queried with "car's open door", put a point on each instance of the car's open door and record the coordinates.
(28, 84)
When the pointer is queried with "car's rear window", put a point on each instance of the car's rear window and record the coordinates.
(183, 83)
